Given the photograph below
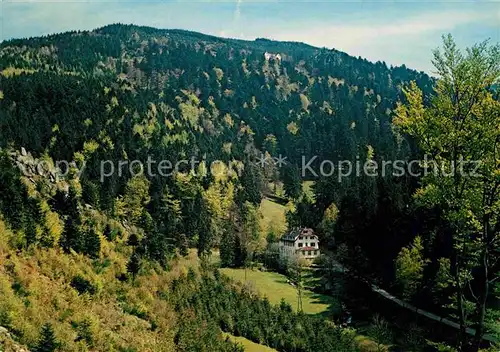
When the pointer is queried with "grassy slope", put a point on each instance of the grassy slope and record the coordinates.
(35, 289)
(273, 215)
(249, 345)
(275, 287)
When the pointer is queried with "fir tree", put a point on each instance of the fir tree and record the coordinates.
(47, 341)
(134, 264)
(292, 184)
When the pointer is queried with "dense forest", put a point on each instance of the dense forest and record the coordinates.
(125, 147)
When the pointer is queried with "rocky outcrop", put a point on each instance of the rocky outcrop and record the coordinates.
(36, 171)
(7, 343)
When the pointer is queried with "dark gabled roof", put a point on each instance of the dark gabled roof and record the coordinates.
(296, 232)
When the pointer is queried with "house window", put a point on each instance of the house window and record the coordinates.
(315, 252)
(300, 237)
(309, 253)
(313, 244)
(303, 252)
(300, 244)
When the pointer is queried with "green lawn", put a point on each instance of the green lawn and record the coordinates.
(273, 215)
(275, 287)
(248, 345)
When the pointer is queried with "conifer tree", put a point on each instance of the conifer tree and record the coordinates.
(292, 184)
(134, 264)
(47, 341)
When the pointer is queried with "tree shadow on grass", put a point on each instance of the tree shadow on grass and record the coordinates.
(333, 306)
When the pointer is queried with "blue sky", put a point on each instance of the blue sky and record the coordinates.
(396, 32)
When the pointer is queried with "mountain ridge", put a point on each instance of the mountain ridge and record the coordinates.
(215, 38)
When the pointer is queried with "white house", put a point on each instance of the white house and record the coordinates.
(300, 242)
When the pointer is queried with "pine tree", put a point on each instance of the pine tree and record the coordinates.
(109, 234)
(291, 181)
(73, 236)
(47, 341)
(182, 244)
(92, 244)
(134, 264)
(252, 183)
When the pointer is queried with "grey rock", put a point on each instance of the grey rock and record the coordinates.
(4, 331)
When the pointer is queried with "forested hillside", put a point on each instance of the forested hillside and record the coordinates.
(125, 146)
(125, 93)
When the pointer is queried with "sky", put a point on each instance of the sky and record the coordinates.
(397, 32)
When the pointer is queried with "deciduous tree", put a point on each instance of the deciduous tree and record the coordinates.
(459, 131)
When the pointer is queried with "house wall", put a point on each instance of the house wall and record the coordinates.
(307, 241)
(287, 247)
(306, 246)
